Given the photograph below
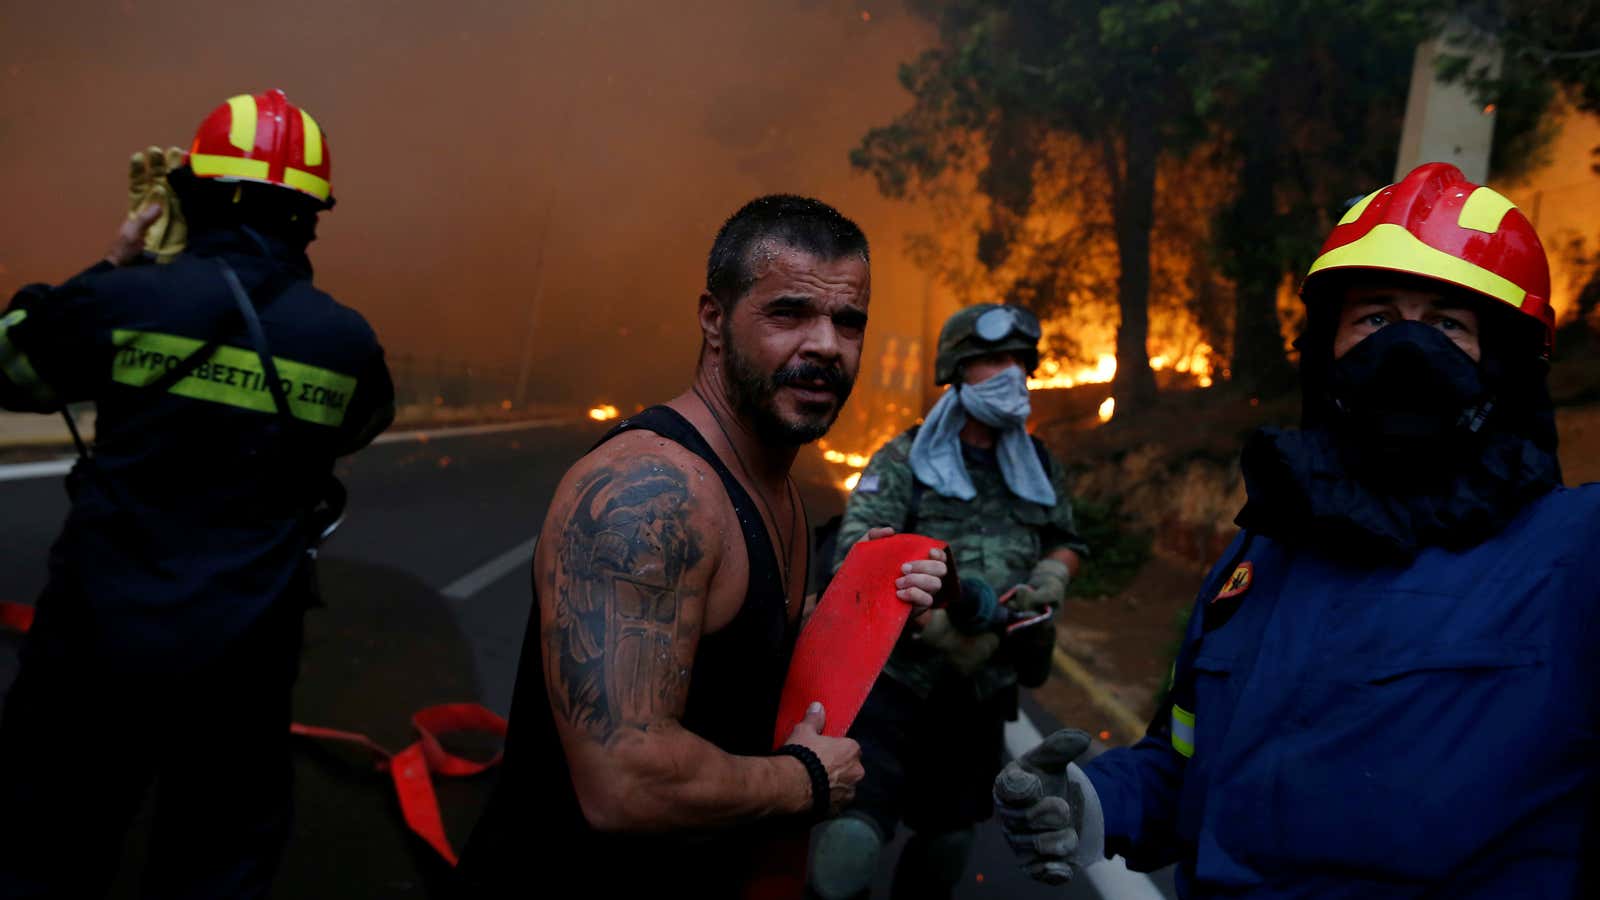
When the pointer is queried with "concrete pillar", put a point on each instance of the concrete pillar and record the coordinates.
(1444, 122)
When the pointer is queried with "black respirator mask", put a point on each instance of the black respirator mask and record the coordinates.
(1407, 398)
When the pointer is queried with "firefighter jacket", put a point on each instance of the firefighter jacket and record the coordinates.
(1345, 729)
(192, 515)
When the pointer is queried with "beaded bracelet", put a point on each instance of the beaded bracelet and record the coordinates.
(821, 797)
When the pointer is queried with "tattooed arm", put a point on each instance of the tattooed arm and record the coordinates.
(626, 565)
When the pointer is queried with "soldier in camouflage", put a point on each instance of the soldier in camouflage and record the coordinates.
(932, 731)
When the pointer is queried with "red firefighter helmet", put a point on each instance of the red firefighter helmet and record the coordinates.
(1437, 224)
(264, 139)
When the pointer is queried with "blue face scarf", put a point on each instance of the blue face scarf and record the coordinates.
(1001, 402)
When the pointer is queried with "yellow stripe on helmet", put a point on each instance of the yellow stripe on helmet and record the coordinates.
(305, 181)
(313, 139)
(1389, 246)
(1354, 212)
(210, 165)
(1484, 210)
(242, 122)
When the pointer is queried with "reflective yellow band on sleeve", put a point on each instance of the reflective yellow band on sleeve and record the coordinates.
(1182, 731)
(16, 366)
(232, 377)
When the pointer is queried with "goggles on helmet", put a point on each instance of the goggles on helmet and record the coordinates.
(1002, 322)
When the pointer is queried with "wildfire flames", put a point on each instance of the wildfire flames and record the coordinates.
(853, 460)
(856, 461)
(603, 413)
(1053, 373)
(1196, 363)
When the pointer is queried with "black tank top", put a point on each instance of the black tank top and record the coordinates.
(533, 839)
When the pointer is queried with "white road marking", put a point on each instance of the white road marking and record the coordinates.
(491, 571)
(392, 437)
(46, 469)
(1111, 879)
(58, 467)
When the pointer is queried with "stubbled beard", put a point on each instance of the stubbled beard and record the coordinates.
(754, 396)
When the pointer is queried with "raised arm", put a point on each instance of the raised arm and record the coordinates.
(625, 566)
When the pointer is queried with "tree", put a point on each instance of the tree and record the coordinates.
(1315, 114)
(1299, 102)
(1007, 80)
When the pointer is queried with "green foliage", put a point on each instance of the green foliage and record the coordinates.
(1118, 550)
(1548, 47)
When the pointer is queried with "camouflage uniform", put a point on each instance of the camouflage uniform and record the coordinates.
(932, 732)
(996, 536)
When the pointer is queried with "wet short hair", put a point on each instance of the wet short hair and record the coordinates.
(792, 221)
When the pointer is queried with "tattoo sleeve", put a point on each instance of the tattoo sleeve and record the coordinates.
(622, 621)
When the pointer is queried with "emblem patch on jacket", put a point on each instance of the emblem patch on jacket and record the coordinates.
(868, 484)
(1237, 583)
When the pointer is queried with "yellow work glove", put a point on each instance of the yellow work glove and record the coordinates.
(147, 184)
(965, 652)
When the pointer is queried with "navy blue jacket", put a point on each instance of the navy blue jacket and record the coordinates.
(1336, 730)
(193, 516)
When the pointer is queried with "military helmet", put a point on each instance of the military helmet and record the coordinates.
(982, 329)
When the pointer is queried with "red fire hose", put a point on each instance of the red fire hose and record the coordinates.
(411, 769)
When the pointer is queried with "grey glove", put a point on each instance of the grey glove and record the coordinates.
(1047, 586)
(1049, 811)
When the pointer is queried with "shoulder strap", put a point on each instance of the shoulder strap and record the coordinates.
(258, 338)
(271, 289)
(276, 285)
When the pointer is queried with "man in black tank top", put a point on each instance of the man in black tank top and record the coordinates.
(669, 581)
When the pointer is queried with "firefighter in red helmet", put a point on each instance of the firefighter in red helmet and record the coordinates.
(1388, 686)
(167, 639)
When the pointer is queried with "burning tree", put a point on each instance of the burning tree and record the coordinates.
(1179, 155)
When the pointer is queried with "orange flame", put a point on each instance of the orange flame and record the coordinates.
(856, 461)
(603, 413)
(1053, 374)
(1108, 408)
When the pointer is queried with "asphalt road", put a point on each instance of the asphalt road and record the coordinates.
(427, 600)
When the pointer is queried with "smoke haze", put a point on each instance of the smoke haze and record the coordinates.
(458, 131)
